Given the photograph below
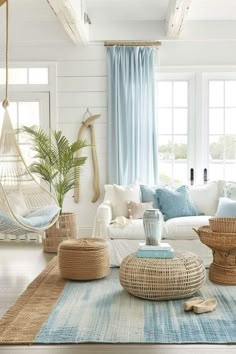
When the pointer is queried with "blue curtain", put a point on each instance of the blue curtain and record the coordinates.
(131, 143)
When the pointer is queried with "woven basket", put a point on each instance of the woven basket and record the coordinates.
(226, 225)
(84, 259)
(217, 240)
(163, 279)
(66, 228)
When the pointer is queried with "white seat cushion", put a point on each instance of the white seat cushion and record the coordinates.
(182, 228)
(132, 231)
(205, 197)
(174, 229)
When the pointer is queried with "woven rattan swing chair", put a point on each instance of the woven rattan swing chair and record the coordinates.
(25, 205)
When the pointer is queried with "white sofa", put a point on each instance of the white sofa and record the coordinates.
(178, 232)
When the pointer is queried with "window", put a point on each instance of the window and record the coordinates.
(32, 98)
(196, 115)
(28, 109)
(25, 76)
(222, 129)
(173, 120)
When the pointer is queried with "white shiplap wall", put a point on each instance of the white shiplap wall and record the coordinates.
(82, 83)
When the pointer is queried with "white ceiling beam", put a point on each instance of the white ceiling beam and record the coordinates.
(176, 15)
(74, 18)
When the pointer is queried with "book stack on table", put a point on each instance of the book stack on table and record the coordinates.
(164, 250)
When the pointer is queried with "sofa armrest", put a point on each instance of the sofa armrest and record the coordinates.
(102, 220)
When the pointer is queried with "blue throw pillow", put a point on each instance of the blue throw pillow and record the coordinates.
(149, 195)
(176, 203)
(226, 208)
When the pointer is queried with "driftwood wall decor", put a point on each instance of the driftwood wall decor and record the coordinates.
(88, 124)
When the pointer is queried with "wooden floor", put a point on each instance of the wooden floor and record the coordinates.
(21, 262)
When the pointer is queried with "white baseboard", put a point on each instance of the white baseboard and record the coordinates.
(85, 231)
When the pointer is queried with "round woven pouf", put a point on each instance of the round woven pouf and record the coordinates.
(163, 279)
(84, 259)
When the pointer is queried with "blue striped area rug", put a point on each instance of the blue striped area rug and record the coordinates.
(101, 311)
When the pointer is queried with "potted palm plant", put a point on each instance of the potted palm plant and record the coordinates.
(58, 164)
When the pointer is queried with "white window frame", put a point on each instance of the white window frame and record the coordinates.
(206, 78)
(50, 88)
(191, 136)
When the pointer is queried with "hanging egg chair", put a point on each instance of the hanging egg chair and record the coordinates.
(25, 205)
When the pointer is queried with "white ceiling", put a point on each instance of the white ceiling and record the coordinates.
(33, 21)
(123, 10)
(212, 10)
(136, 10)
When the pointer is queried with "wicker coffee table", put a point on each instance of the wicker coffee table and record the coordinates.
(163, 279)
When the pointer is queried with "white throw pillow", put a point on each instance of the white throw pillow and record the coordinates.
(17, 203)
(119, 196)
(205, 197)
(123, 195)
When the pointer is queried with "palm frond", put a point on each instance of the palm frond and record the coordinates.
(56, 159)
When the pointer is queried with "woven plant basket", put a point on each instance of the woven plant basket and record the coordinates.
(217, 240)
(225, 225)
(65, 229)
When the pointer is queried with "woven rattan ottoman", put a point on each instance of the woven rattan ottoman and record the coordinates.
(163, 279)
(84, 259)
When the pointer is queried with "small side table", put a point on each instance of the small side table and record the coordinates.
(223, 268)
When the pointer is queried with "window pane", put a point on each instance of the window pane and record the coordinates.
(216, 120)
(180, 147)
(28, 115)
(180, 92)
(180, 121)
(17, 76)
(216, 147)
(216, 93)
(230, 147)
(164, 118)
(230, 93)
(230, 120)
(165, 147)
(164, 94)
(216, 171)
(38, 76)
(165, 173)
(230, 170)
(180, 173)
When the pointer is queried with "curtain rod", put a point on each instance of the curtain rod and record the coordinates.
(132, 43)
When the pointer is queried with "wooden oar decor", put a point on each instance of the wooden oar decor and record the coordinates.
(88, 124)
(2, 2)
